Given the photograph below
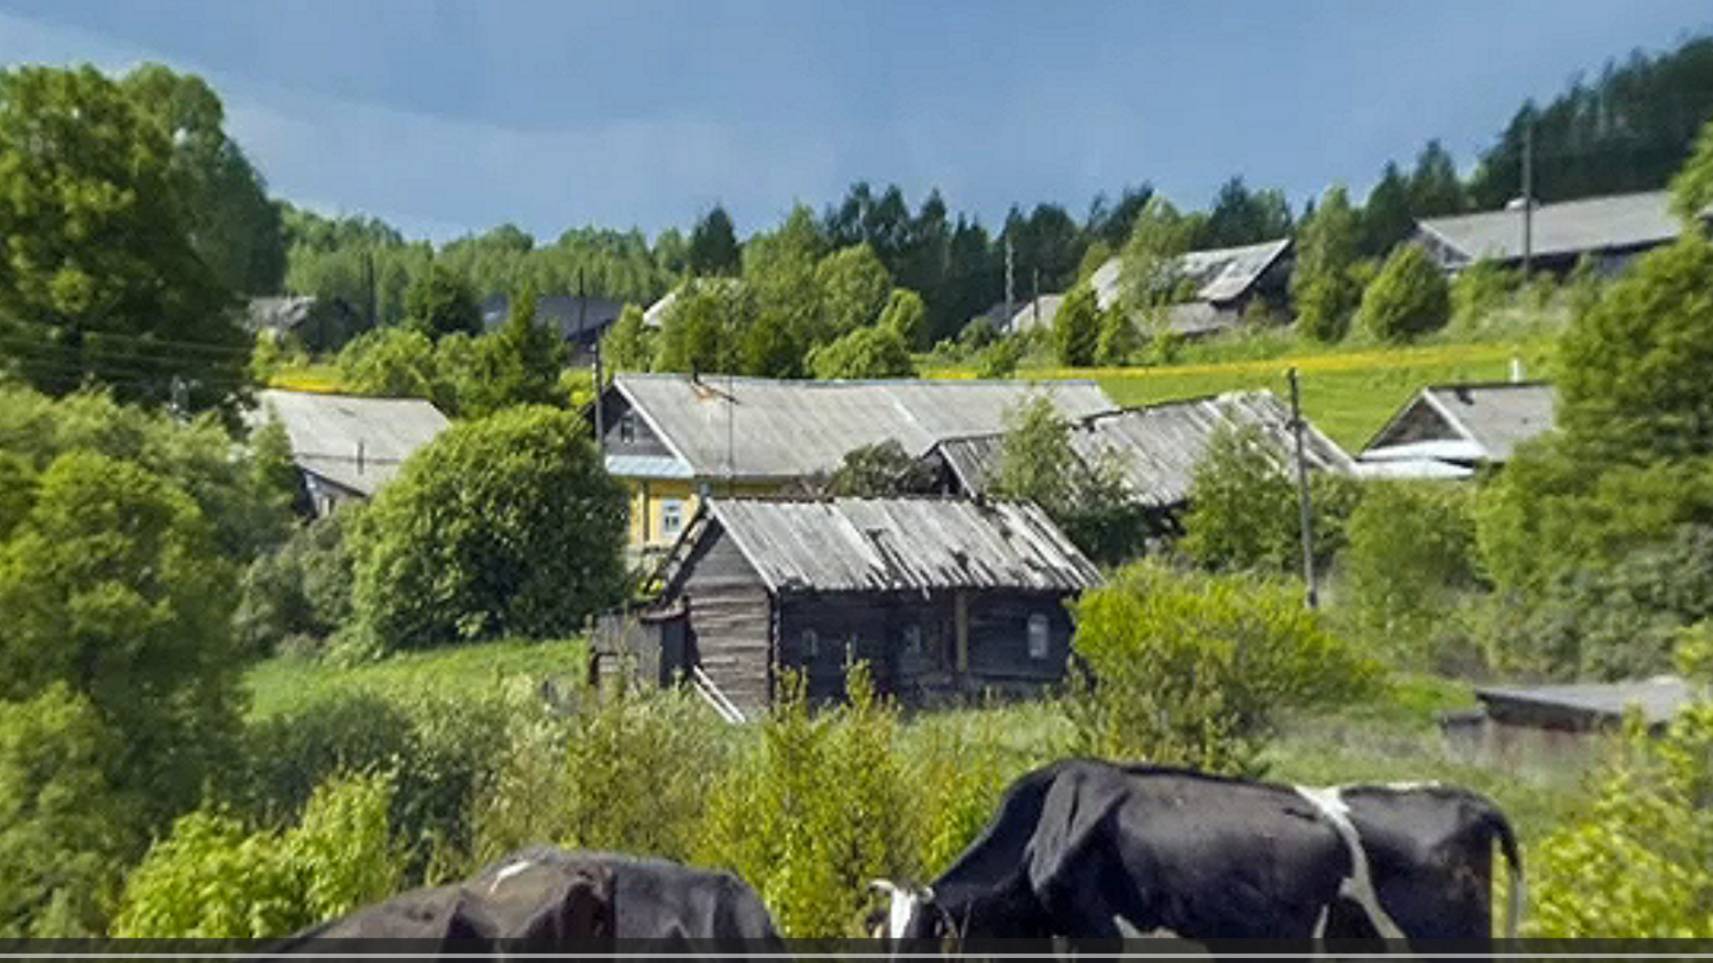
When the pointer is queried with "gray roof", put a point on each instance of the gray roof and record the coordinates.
(327, 430)
(902, 544)
(279, 313)
(576, 319)
(1659, 699)
(1159, 447)
(1035, 313)
(1222, 273)
(1569, 228)
(792, 429)
(1487, 420)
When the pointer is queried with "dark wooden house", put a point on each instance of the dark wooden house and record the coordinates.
(943, 598)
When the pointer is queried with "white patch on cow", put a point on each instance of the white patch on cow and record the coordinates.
(507, 873)
(1320, 923)
(904, 905)
(1126, 929)
(1359, 885)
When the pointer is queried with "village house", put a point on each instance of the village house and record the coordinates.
(347, 447)
(1449, 431)
(1611, 230)
(944, 600)
(672, 438)
(1156, 448)
(1559, 724)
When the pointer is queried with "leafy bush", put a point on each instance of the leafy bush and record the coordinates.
(999, 359)
(1409, 297)
(1076, 328)
(629, 344)
(1411, 554)
(1119, 340)
(508, 525)
(870, 352)
(1322, 287)
(906, 314)
(1244, 511)
(297, 597)
(440, 302)
(613, 776)
(1192, 669)
(214, 878)
(1480, 290)
(881, 470)
(815, 810)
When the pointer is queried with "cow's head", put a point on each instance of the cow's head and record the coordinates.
(914, 921)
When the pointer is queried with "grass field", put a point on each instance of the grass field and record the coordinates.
(310, 377)
(281, 684)
(1347, 393)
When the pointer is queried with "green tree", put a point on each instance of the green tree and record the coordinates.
(1633, 382)
(714, 247)
(1388, 216)
(1321, 285)
(870, 352)
(101, 279)
(506, 525)
(629, 344)
(1076, 328)
(1244, 512)
(1435, 189)
(300, 595)
(1158, 240)
(440, 302)
(1409, 297)
(1000, 359)
(517, 365)
(1119, 340)
(704, 328)
(854, 286)
(881, 470)
(1241, 216)
(65, 829)
(391, 363)
(111, 584)
(1194, 670)
(233, 226)
(1692, 188)
(906, 314)
(1480, 290)
(1410, 559)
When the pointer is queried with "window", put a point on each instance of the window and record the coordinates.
(1037, 636)
(913, 639)
(627, 426)
(671, 517)
(811, 645)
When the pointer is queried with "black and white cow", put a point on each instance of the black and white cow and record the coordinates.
(1091, 850)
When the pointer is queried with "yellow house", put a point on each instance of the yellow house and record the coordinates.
(674, 438)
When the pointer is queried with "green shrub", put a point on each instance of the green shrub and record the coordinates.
(392, 363)
(867, 352)
(1480, 290)
(1410, 557)
(298, 596)
(1119, 340)
(1192, 669)
(215, 878)
(1245, 513)
(1076, 328)
(1409, 297)
(815, 810)
(999, 359)
(508, 525)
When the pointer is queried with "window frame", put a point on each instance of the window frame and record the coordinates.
(1045, 634)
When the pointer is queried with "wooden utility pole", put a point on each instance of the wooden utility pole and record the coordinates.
(1528, 193)
(1005, 322)
(1304, 508)
(600, 381)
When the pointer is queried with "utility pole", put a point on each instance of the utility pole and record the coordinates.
(1528, 192)
(1304, 508)
(1006, 321)
(1036, 298)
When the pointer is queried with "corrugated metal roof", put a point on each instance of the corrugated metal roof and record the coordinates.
(1488, 419)
(327, 430)
(1659, 699)
(1571, 227)
(763, 428)
(1414, 469)
(1036, 313)
(647, 466)
(1223, 273)
(902, 544)
(1159, 447)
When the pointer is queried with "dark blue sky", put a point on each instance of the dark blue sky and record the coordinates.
(455, 116)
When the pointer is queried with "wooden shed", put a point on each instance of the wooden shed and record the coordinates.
(943, 598)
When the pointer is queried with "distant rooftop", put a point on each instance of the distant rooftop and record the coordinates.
(356, 443)
(1659, 699)
(1616, 222)
(1222, 273)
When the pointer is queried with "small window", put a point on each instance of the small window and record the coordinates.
(671, 517)
(1037, 636)
(627, 426)
(811, 645)
(913, 639)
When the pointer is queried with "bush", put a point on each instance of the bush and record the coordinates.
(1076, 328)
(392, 363)
(1192, 669)
(1481, 290)
(1410, 557)
(871, 352)
(1119, 340)
(815, 810)
(906, 314)
(881, 470)
(214, 878)
(612, 777)
(1000, 359)
(1244, 511)
(1409, 297)
(295, 598)
(508, 525)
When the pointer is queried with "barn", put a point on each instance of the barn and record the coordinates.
(945, 599)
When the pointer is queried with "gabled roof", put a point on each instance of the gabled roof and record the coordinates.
(576, 319)
(328, 432)
(1466, 423)
(760, 428)
(1567, 228)
(1035, 313)
(1222, 273)
(897, 545)
(1158, 447)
